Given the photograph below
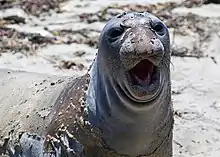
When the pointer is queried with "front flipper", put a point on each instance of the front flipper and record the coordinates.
(32, 145)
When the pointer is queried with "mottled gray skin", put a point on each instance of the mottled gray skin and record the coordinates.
(134, 120)
(46, 116)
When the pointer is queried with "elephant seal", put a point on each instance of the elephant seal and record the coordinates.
(122, 107)
(129, 96)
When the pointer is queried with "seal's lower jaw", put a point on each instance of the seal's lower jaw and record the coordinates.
(144, 76)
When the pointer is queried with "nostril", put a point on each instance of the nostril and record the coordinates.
(152, 41)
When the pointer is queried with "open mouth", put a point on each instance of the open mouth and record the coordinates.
(144, 73)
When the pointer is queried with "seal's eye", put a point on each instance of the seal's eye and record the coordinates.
(158, 27)
(114, 34)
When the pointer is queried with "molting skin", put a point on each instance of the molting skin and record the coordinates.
(129, 97)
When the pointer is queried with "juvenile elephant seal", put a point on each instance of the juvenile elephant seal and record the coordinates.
(129, 97)
(127, 109)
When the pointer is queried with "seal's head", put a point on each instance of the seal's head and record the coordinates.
(134, 52)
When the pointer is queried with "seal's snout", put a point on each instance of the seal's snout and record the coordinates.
(141, 53)
(142, 41)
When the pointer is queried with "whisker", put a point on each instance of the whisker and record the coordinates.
(168, 61)
(166, 64)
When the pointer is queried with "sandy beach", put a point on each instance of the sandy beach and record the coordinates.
(60, 37)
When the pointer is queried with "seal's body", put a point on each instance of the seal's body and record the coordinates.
(130, 92)
(126, 110)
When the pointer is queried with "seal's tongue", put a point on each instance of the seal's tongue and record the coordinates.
(143, 71)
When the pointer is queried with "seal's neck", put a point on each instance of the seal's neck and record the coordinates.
(123, 128)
